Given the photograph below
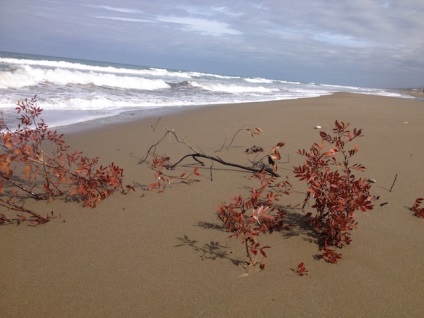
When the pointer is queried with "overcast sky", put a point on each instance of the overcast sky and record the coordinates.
(367, 43)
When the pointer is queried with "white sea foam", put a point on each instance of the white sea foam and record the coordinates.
(72, 91)
(103, 69)
(339, 86)
(224, 77)
(258, 80)
(231, 88)
(28, 76)
(16, 79)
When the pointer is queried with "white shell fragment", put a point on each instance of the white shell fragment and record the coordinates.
(371, 180)
(317, 127)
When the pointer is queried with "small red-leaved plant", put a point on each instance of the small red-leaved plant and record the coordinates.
(301, 270)
(247, 218)
(417, 209)
(337, 192)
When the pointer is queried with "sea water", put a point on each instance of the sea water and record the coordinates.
(72, 91)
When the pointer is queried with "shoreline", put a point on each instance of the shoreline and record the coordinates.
(150, 254)
(415, 92)
(141, 114)
(128, 115)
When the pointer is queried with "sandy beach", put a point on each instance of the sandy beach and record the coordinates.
(148, 254)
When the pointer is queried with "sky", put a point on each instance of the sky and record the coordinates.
(367, 43)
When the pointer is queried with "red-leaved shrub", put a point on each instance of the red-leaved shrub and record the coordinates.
(36, 162)
(247, 218)
(336, 191)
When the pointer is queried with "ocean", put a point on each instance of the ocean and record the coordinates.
(73, 91)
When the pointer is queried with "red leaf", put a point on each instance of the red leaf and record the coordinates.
(7, 141)
(301, 270)
(262, 250)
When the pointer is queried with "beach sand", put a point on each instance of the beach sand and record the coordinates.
(149, 254)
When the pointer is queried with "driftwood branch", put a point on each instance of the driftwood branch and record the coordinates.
(195, 157)
(198, 153)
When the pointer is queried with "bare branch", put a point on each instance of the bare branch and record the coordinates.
(393, 183)
(217, 159)
(168, 133)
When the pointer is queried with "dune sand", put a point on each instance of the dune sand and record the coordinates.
(163, 255)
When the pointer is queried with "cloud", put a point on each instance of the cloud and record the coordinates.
(208, 11)
(339, 40)
(197, 19)
(367, 42)
(199, 25)
(110, 8)
(227, 11)
(123, 19)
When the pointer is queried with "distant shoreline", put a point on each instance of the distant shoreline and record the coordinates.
(415, 92)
